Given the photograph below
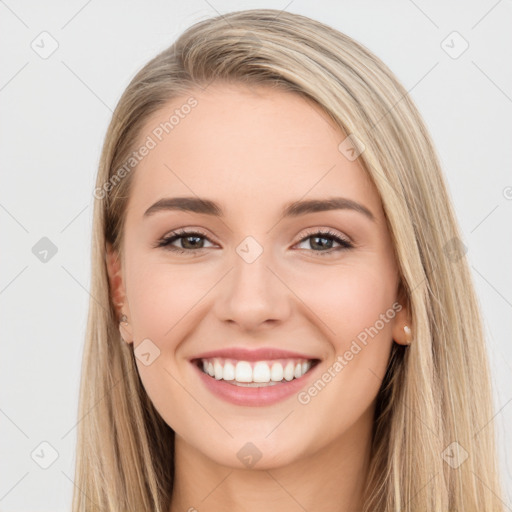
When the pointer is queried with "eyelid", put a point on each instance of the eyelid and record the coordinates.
(188, 232)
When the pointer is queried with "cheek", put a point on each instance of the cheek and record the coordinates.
(355, 305)
(164, 303)
(162, 299)
(348, 299)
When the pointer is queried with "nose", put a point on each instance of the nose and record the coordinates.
(253, 295)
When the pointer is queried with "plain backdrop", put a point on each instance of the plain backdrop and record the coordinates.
(54, 113)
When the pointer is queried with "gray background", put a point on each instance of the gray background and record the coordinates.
(54, 113)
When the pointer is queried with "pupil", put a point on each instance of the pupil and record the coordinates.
(196, 238)
(321, 245)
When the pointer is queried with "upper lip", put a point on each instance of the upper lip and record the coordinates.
(259, 354)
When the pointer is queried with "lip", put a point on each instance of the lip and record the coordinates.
(245, 354)
(254, 397)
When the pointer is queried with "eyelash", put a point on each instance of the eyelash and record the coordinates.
(176, 235)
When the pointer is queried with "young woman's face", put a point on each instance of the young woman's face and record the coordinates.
(271, 268)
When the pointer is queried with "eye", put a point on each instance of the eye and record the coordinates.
(321, 240)
(191, 241)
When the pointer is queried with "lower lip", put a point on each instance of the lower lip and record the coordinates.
(265, 395)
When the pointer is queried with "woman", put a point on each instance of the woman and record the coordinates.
(283, 316)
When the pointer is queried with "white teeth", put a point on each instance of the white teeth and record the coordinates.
(288, 371)
(257, 374)
(229, 371)
(243, 372)
(261, 372)
(276, 374)
(218, 370)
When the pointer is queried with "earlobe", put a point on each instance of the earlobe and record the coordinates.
(402, 331)
(407, 338)
(125, 330)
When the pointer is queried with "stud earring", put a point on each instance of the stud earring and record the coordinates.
(407, 331)
(123, 322)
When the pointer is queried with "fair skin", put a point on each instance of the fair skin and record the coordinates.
(253, 151)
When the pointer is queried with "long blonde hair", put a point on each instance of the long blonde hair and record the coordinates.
(435, 393)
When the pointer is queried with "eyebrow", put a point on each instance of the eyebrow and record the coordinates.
(293, 209)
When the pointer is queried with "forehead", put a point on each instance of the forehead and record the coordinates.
(245, 148)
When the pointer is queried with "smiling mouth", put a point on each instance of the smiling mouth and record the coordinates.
(255, 373)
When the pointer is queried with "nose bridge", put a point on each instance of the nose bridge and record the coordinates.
(251, 263)
(253, 294)
(250, 274)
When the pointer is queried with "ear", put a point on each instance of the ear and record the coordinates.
(117, 291)
(402, 319)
